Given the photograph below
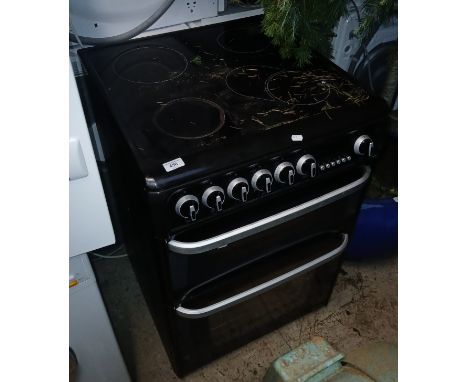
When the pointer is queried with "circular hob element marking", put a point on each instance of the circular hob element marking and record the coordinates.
(243, 40)
(189, 118)
(300, 88)
(249, 81)
(150, 64)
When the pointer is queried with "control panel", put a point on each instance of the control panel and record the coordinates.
(270, 175)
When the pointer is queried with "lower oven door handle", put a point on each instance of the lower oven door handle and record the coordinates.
(189, 248)
(261, 288)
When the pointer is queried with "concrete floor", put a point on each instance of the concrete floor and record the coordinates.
(362, 309)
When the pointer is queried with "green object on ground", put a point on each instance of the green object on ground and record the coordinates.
(317, 361)
(378, 360)
(313, 361)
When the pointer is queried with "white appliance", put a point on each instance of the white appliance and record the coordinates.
(90, 333)
(349, 53)
(345, 44)
(90, 223)
(95, 18)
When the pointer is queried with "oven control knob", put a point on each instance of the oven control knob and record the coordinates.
(187, 207)
(238, 189)
(306, 165)
(284, 173)
(262, 180)
(364, 146)
(213, 197)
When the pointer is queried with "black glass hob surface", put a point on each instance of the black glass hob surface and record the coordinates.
(219, 95)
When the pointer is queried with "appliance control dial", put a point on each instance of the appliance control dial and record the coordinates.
(284, 173)
(364, 146)
(262, 180)
(187, 207)
(306, 165)
(213, 197)
(238, 189)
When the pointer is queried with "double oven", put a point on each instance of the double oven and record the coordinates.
(231, 286)
(237, 177)
(213, 287)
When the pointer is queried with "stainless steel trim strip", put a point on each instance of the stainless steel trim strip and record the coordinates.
(221, 240)
(261, 288)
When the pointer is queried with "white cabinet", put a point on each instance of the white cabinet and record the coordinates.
(90, 332)
(89, 221)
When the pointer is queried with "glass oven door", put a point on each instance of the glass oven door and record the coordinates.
(217, 316)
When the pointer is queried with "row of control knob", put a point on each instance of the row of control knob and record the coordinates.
(213, 197)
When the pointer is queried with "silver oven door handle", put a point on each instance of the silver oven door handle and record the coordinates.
(261, 288)
(189, 248)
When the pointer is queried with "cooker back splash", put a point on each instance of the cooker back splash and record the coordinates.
(238, 177)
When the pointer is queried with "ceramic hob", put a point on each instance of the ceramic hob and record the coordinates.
(219, 94)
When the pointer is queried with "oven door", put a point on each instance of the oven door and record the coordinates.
(222, 314)
(202, 255)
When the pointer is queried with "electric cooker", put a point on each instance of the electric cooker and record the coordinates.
(238, 174)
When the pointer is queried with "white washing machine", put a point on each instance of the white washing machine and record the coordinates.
(94, 350)
(350, 54)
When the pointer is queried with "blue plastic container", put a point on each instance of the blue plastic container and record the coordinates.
(376, 232)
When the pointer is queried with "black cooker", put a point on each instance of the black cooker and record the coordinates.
(238, 178)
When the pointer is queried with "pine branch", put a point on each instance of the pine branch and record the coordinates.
(376, 12)
(298, 27)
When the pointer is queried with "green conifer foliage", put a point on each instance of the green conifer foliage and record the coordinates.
(297, 27)
(376, 12)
